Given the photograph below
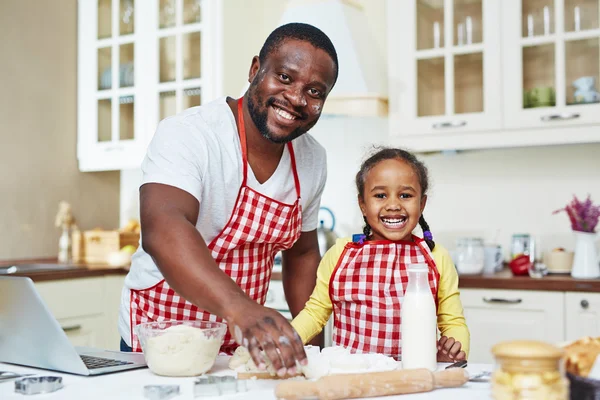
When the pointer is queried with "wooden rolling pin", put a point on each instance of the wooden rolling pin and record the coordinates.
(373, 384)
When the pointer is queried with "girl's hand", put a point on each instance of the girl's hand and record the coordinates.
(449, 350)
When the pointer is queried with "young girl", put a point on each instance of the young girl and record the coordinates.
(363, 280)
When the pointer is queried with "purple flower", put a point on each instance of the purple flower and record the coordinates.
(583, 215)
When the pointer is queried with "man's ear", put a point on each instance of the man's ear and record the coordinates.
(254, 68)
(423, 202)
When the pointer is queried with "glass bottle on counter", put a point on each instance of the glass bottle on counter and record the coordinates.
(528, 370)
(419, 321)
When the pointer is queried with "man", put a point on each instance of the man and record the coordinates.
(228, 185)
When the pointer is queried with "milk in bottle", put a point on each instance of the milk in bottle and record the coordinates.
(419, 321)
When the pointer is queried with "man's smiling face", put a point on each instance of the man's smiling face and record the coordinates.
(288, 90)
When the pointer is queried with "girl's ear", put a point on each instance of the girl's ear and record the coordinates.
(423, 202)
(361, 204)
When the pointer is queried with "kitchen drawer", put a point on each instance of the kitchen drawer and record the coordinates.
(498, 315)
(582, 314)
(85, 331)
(73, 297)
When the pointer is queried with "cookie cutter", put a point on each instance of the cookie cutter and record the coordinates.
(161, 392)
(218, 385)
(38, 384)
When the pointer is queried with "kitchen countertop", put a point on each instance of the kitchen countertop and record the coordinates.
(501, 280)
(129, 385)
(83, 270)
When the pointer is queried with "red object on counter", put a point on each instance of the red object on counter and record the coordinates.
(520, 265)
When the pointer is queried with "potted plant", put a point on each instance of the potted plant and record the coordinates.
(584, 217)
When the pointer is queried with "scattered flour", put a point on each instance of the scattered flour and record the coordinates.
(181, 351)
(338, 360)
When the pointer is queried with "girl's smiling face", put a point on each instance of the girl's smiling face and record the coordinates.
(392, 200)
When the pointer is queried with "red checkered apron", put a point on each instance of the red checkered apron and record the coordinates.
(367, 289)
(258, 228)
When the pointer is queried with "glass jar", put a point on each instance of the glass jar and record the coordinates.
(470, 256)
(528, 370)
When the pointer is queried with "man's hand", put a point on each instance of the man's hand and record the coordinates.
(449, 350)
(256, 327)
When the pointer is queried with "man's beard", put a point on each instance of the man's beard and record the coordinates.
(260, 120)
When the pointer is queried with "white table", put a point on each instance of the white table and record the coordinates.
(129, 385)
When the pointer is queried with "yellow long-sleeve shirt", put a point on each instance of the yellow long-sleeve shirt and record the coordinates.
(450, 318)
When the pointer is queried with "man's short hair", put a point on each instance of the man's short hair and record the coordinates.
(299, 31)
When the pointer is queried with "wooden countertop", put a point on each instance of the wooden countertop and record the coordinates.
(505, 280)
(502, 280)
(82, 270)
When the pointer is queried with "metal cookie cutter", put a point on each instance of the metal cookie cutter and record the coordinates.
(38, 384)
(218, 385)
(161, 392)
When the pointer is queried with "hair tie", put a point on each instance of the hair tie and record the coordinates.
(427, 235)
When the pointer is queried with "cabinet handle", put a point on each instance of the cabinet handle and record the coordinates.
(114, 148)
(452, 124)
(559, 117)
(503, 301)
(71, 328)
(585, 304)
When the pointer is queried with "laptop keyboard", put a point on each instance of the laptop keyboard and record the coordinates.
(99, 362)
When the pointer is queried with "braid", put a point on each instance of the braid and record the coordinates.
(426, 233)
(367, 228)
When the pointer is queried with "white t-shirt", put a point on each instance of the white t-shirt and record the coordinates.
(199, 151)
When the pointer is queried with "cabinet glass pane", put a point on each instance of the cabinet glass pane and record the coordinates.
(537, 17)
(126, 118)
(104, 68)
(191, 11)
(430, 24)
(430, 87)
(167, 59)
(582, 68)
(538, 76)
(191, 97)
(126, 17)
(191, 55)
(168, 106)
(166, 14)
(468, 83)
(126, 55)
(581, 15)
(104, 120)
(467, 22)
(104, 19)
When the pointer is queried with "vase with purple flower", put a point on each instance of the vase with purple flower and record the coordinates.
(584, 217)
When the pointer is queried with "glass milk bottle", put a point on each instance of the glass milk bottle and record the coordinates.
(419, 321)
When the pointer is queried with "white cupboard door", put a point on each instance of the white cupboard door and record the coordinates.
(583, 315)
(444, 67)
(110, 135)
(552, 61)
(494, 316)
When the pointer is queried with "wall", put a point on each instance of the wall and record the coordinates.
(38, 110)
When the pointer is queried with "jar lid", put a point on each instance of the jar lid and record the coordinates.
(527, 355)
(526, 349)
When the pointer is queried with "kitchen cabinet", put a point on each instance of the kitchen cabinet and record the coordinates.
(87, 308)
(443, 61)
(582, 311)
(551, 48)
(471, 74)
(167, 54)
(498, 315)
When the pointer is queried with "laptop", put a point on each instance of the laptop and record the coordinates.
(31, 336)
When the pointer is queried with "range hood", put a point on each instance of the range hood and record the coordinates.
(361, 87)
